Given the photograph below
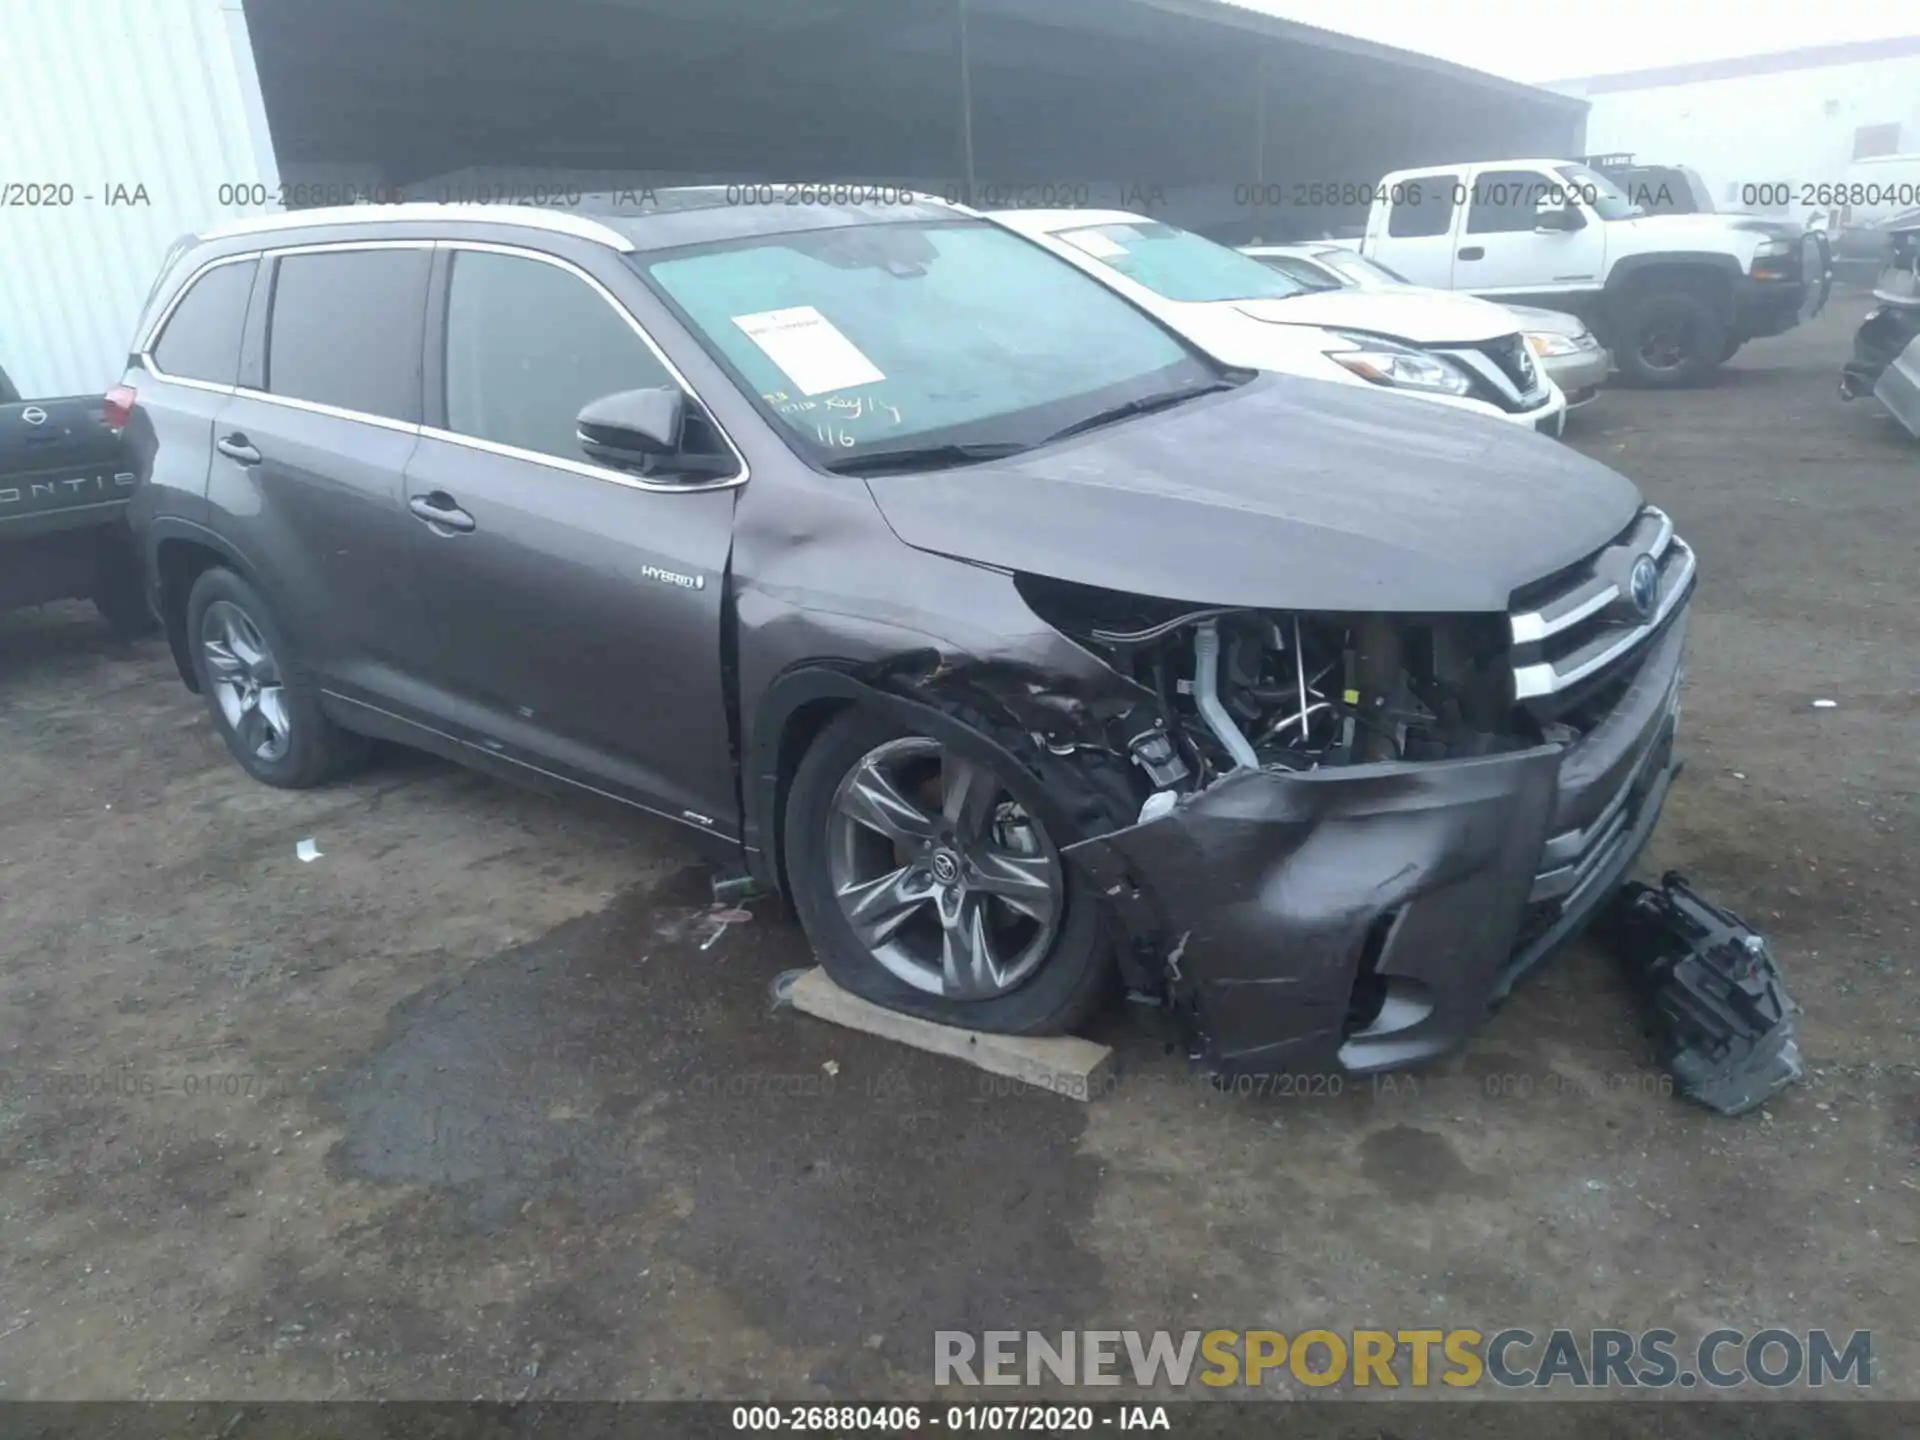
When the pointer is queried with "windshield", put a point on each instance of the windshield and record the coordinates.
(886, 337)
(1607, 199)
(1179, 265)
(1361, 270)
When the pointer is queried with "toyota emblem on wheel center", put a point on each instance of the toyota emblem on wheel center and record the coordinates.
(1643, 586)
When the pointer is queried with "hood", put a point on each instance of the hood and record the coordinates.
(1775, 225)
(1285, 493)
(1680, 228)
(1425, 317)
(1525, 317)
(1552, 322)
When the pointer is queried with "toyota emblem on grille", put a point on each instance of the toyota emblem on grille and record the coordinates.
(1643, 585)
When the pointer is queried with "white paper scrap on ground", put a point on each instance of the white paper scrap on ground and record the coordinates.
(809, 349)
(307, 850)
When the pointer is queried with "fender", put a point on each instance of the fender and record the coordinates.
(812, 681)
(1628, 268)
(157, 532)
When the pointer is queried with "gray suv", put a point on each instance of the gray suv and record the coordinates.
(1027, 650)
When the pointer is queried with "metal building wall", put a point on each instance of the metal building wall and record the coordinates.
(1790, 127)
(109, 96)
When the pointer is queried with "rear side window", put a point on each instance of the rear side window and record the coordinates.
(201, 340)
(345, 330)
(1422, 207)
(529, 344)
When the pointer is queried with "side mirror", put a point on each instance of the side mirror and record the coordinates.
(643, 431)
(1555, 215)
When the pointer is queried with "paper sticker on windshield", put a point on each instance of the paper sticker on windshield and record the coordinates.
(809, 349)
(1094, 243)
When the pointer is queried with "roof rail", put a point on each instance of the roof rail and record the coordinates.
(527, 216)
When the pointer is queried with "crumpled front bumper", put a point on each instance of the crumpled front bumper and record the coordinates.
(1279, 901)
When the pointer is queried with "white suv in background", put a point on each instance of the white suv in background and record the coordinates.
(1449, 349)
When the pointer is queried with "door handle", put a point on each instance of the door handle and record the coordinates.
(439, 511)
(237, 447)
(1474, 252)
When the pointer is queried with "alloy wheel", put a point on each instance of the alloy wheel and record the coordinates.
(945, 878)
(246, 681)
(1666, 344)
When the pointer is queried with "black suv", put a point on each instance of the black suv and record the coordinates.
(1024, 647)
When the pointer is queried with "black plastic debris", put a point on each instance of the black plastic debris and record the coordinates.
(1714, 999)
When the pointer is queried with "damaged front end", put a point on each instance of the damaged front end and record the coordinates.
(1355, 832)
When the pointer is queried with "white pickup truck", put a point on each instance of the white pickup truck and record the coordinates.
(1673, 296)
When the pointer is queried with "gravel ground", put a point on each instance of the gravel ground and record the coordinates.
(481, 1104)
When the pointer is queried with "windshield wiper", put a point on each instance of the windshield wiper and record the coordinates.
(1126, 409)
(925, 457)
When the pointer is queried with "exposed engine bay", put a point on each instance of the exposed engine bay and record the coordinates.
(1251, 689)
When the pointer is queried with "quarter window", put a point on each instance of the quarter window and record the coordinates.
(528, 345)
(345, 330)
(1423, 207)
(202, 337)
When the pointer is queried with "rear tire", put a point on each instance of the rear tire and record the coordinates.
(1669, 339)
(264, 703)
(1074, 969)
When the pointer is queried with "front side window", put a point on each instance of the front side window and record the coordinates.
(1506, 201)
(202, 336)
(881, 337)
(1178, 264)
(1598, 193)
(528, 345)
(344, 330)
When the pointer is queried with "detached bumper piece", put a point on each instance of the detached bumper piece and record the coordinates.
(1722, 1021)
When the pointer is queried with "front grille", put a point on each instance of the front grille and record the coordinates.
(1582, 631)
(1503, 371)
(1515, 360)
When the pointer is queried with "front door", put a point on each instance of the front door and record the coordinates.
(1501, 253)
(579, 608)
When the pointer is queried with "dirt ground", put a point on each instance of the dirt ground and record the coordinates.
(479, 1104)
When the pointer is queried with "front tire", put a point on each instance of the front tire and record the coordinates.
(264, 703)
(928, 883)
(1669, 339)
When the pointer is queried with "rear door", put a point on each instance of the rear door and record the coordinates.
(182, 380)
(308, 458)
(577, 608)
(1411, 226)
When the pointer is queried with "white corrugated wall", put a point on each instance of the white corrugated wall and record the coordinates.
(1791, 128)
(99, 94)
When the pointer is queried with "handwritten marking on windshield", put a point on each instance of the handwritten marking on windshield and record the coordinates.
(856, 407)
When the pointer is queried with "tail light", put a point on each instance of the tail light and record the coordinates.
(118, 409)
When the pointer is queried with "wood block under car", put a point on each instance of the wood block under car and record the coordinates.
(1063, 1064)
